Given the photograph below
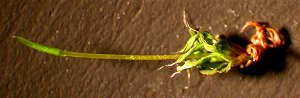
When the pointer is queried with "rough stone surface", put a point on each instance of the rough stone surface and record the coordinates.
(138, 27)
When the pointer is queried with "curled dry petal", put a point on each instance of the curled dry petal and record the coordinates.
(263, 39)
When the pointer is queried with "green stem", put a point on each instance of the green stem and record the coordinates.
(59, 52)
(120, 57)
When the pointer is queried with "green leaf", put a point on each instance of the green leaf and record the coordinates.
(189, 43)
(217, 57)
(208, 72)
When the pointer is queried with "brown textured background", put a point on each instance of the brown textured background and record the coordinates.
(138, 27)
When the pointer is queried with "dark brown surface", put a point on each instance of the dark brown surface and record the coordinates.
(137, 27)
